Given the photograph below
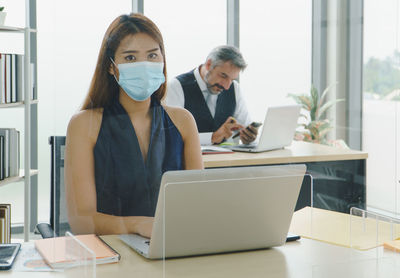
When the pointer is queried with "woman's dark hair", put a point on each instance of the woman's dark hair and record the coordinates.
(104, 86)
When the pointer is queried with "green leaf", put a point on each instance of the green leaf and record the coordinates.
(302, 115)
(314, 96)
(328, 105)
(324, 93)
(303, 100)
(314, 102)
(324, 132)
(1, 9)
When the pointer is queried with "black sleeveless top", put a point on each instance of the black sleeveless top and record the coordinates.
(196, 104)
(125, 184)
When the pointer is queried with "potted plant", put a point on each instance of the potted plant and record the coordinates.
(316, 127)
(2, 16)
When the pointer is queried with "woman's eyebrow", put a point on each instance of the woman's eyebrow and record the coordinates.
(129, 51)
(136, 51)
(152, 50)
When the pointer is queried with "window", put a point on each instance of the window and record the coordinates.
(381, 109)
(275, 39)
(190, 30)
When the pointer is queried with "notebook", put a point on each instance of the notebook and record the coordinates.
(53, 250)
(214, 150)
(278, 130)
(221, 210)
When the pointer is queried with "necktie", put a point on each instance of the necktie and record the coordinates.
(210, 103)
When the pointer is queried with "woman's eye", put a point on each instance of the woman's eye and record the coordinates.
(153, 55)
(130, 58)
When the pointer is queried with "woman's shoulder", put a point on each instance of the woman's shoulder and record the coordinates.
(178, 114)
(181, 118)
(86, 120)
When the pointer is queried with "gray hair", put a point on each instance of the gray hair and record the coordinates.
(226, 53)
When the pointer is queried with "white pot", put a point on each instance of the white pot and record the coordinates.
(2, 18)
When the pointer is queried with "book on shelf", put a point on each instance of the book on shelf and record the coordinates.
(12, 78)
(5, 132)
(10, 150)
(1, 157)
(14, 152)
(2, 78)
(7, 77)
(20, 77)
(54, 250)
(5, 223)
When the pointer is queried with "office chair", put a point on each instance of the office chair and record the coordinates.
(58, 210)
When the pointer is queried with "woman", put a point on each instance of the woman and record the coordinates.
(123, 140)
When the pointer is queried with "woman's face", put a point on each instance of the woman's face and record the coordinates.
(137, 48)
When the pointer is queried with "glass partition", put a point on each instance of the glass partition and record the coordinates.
(68, 49)
(380, 107)
(368, 233)
(218, 212)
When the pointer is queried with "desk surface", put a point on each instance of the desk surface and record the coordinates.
(298, 152)
(305, 258)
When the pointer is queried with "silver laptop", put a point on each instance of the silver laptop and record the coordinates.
(277, 132)
(221, 210)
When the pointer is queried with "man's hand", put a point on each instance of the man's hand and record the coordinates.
(248, 134)
(225, 130)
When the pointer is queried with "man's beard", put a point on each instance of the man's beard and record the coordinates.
(211, 86)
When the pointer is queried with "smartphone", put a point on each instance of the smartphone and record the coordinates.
(253, 124)
(256, 124)
(8, 253)
(292, 237)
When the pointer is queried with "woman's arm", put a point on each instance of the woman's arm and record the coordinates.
(80, 186)
(186, 125)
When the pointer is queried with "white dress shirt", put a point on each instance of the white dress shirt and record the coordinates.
(175, 97)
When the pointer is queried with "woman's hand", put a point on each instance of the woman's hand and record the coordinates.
(144, 226)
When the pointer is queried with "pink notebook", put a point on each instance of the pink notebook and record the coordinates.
(54, 250)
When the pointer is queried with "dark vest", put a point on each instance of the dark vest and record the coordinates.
(196, 104)
(125, 185)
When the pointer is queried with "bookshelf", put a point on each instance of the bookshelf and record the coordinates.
(29, 105)
(18, 178)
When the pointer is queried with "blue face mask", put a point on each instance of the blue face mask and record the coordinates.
(140, 80)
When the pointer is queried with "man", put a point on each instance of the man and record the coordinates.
(211, 93)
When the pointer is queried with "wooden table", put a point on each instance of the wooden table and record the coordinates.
(306, 258)
(338, 175)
